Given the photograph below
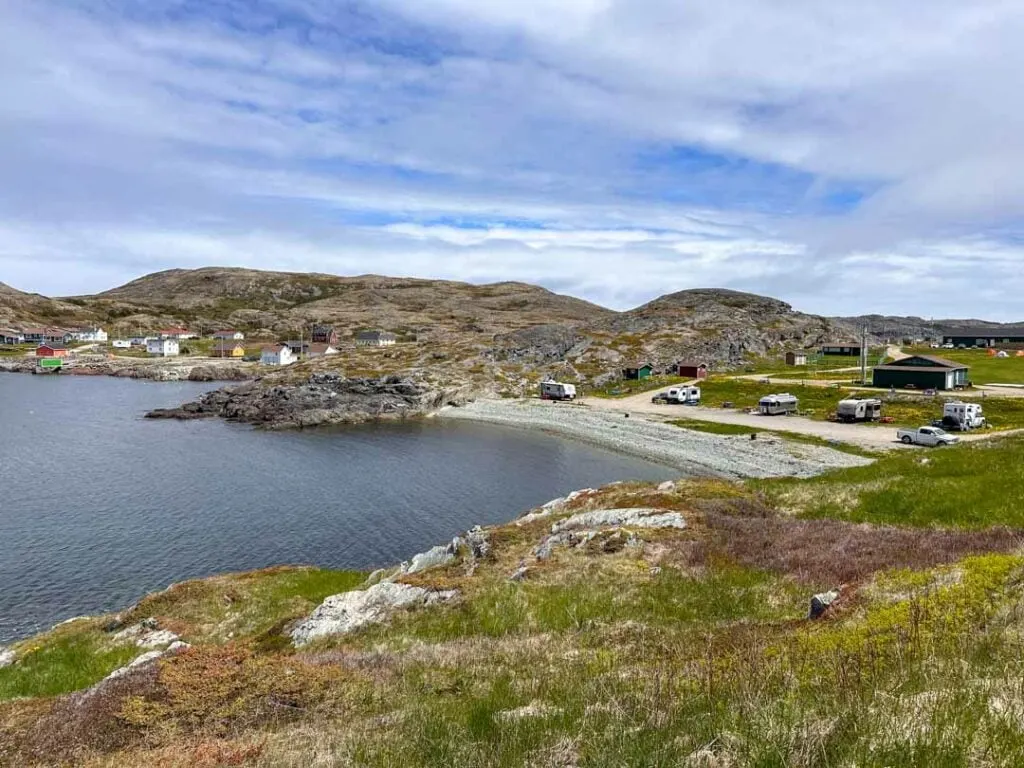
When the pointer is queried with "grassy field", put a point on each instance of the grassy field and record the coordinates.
(817, 365)
(739, 429)
(985, 369)
(633, 387)
(820, 402)
(15, 350)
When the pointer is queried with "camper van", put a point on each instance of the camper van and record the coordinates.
(962, 416)
(555, 390)
(678, 396)
(856, 409)
(773, 405)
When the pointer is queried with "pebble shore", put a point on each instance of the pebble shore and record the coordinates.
(693, 453)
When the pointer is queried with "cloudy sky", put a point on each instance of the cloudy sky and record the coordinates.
(849, 156)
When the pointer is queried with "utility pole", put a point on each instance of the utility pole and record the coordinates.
(864, 356)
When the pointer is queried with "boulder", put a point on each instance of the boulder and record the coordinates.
(668, 485)
(432, 558)
(141, 661)
(6, 657)
(349, 611)
(636, 517)
(478, 542)
(821, 603)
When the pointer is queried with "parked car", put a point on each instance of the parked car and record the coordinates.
(930, 436)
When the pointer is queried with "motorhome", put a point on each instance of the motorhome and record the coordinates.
(859, 409)
(773, 405)
(962, 416)
(555, 390)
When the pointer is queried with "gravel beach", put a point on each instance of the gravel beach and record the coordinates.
(694, 453)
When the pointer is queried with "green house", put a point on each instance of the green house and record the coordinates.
(637, 372)
(921, 372)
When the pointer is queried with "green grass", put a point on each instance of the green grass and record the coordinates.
(636, 386)
(985, 369)
(974, 485)
(16, 350)
(817, 365)
(69, 658)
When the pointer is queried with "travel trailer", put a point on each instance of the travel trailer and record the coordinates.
(857, 409)
(555, 390)
(773, 405)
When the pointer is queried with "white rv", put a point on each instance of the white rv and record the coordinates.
(679, 396)
(773, 405)
(556, 390)
(962, 416)
(857, 409)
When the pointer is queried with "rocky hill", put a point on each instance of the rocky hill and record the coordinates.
(19, 307)
(896, 328)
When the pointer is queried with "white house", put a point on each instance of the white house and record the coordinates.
(279, 354)
(89, 334)
(121, 343)
(229, 335)
(320, 350)
(375, 339)
(140, 341)
(162, 347)
(176, 333)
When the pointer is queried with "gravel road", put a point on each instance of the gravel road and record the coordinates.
(694, 453)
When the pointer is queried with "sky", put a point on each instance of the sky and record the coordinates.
(850, 157)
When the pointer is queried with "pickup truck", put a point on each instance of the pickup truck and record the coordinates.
(933, 436)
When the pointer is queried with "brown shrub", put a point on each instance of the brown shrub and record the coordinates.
(829, 552)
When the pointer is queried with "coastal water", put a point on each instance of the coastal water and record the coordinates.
(99, 506)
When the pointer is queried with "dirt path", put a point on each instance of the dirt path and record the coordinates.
(873, 438)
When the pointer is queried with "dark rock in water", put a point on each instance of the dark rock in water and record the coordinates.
(323, 398)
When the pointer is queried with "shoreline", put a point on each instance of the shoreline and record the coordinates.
(694, 453)
(153, 369)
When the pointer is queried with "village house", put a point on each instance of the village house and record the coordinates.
(121, 344)
(375, 339)
(47, 336)
(796, 358)
(921, 372)
(178, 334)
(229, 349)
(229, 335)
(162, 347)
(298, 348)
(314, 351)
(278, 354)
(52, 349)
(140, 341)
(324, 334)
(89, 335)
(846, 349)
(691, 370)
(11, 336)
(983, 337)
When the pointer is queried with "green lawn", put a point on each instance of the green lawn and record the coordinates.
(16, 350)
(627, 388)
(975, 485)
(985, 369)
(817, 365)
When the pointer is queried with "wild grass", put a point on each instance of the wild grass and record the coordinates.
(625, 388)
(67, 659)
(974, 485)
(795, 437)
(985, 368)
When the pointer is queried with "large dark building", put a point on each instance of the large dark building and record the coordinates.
(983, 337)
(846, 349)
(921, 372)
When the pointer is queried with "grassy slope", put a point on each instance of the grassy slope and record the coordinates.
(984, 368)
(684, 648)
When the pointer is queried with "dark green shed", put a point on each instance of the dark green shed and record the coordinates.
(639, 371)
(921, 372)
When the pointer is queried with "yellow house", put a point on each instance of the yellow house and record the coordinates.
(227, 348)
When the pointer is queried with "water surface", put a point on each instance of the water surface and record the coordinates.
(100, 506)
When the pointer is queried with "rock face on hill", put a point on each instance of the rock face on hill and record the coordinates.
(324, 398)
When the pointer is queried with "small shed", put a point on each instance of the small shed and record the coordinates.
(229, 349)
(691, 370)
(796, 358)
(638, 371)
(921, 372)
(51, 349)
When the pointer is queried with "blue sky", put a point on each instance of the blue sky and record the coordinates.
(847, 157)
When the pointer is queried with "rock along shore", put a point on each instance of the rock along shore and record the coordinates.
(323, 398)
(153, 370)
(696, 453)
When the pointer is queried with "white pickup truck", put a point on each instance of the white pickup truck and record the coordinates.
(933, 436)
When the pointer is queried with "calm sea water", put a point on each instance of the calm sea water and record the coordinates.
(99, 506)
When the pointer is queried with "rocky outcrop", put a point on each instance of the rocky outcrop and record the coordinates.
(634, 517)
(149, 369)
(323, 398)
(349, 611)
(7, 657)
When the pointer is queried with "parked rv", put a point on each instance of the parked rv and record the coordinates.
(931, 436)
(857, 409)
(773, 405)
(555, 390)
(678, 396)
(962, 416)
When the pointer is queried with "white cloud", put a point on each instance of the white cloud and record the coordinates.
(617, 149)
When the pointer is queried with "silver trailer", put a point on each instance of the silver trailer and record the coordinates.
(858, 409)
(774, 405)
(555, 390)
